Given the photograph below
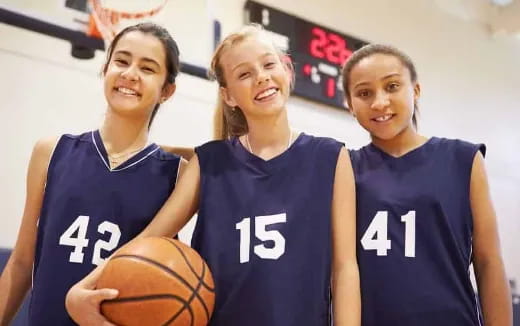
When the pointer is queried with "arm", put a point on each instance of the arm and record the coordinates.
(345, 274)
(83, 300)
(489, 268)
(185, 152)
(16, 277)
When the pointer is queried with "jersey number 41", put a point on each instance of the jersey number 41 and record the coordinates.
(376, 235)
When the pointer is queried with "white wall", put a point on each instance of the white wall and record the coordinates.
(469, 90)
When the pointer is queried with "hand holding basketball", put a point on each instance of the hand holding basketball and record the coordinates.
(83, 301)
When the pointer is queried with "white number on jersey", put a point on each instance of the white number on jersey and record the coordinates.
(261, 232)
(376, 235)
(80, 224)
(79, 242)
(409, 233)
(111, 244)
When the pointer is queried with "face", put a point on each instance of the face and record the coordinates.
(136, 73)
(383, 96)
(256, 79)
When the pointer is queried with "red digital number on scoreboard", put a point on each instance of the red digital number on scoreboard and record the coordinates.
(328, 46)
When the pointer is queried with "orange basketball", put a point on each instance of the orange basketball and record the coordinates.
(161, 281)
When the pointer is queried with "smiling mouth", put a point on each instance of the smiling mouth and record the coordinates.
(127, 91)
(267, 94)
(383, 118)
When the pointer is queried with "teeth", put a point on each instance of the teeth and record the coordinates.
(125, 90)
(383, 118)
(266, 93)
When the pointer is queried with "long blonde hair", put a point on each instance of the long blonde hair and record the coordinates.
(230, 121)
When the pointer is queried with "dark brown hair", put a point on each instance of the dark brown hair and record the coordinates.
(170, 47)
(369, 50)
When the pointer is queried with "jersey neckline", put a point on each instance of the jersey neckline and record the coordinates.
(249, 158)
(409, 155)
(131, 161)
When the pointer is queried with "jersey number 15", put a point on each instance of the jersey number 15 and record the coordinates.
(261, 232)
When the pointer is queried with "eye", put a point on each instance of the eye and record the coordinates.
(270, 65)
(148, 69)
(363, 93)
(393, 86)
(243, 75)
(121, 61)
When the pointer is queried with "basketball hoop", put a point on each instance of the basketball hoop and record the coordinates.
(108, 17)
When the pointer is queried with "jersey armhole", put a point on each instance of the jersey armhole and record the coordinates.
(482, 149)
(51, 157)
(181, 159)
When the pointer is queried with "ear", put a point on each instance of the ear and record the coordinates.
(228, 99)
(416, 91)
(348, 106)
(167, 91)
(288, 67)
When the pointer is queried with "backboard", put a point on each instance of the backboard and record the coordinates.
(188, 21)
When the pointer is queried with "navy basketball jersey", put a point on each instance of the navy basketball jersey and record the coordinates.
(414, 232)
(264, 228)
(88, 211)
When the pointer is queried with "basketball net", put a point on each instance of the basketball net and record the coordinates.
(108, 17)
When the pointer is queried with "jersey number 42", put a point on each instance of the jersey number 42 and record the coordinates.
(80, 241)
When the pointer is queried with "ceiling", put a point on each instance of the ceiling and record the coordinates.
(499, 16)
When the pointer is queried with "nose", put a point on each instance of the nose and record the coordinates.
(262, 76)
(381, 101)
(130, 73)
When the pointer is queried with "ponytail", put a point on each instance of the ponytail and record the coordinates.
(228, 122)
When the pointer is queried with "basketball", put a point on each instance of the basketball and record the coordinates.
(161, 281)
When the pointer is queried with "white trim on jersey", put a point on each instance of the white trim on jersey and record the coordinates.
(44, 188)
(99, 152)
(126, 167)
(145, 157)
(477, 303)
(179, 169)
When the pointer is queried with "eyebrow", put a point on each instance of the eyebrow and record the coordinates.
(243, 63)
(150, 60)
(385, 77)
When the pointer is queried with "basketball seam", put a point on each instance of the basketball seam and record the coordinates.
(158, 265)
(185, 304)
(196, 291)
(190, 310)
(181, 279)
(145, 297)
(200, 278)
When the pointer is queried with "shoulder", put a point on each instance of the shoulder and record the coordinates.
(185, 152)
(322, 145)
(42, 153)
(458, 147)
(166, 154)
(357, 155)
(212, 147)
(45, 146)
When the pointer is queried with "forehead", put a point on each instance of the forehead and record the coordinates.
(141, 45)
(377, 66)
(246, 51)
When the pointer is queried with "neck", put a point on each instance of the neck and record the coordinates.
(121, 134)
(268, 138)
(402, 143)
